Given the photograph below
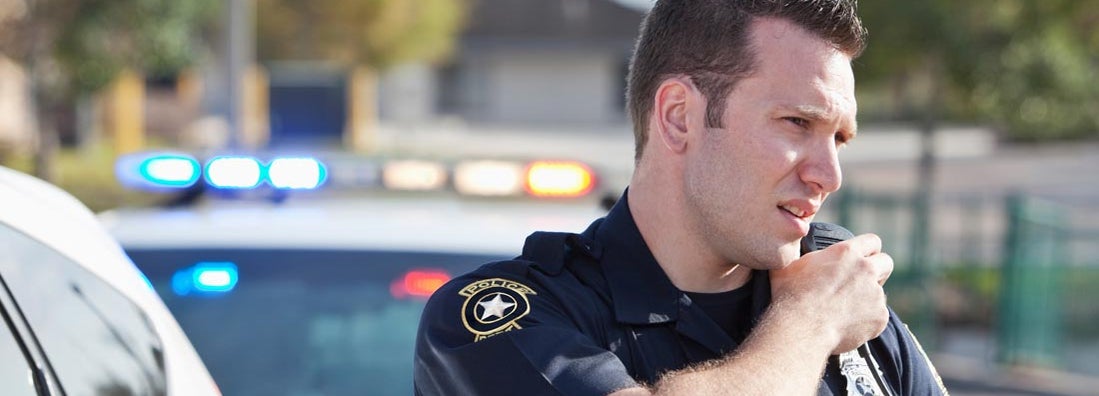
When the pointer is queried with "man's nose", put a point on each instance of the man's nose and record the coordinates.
(821, 167)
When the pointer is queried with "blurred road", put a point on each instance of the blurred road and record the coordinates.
(971, 377)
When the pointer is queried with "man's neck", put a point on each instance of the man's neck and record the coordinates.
(684, 256)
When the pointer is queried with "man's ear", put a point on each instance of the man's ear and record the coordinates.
(674, 99)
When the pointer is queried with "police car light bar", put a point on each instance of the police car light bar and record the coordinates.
(157, 171)
(486, 178)
(489, 178)
(541, 179)
(233, 172)
(559, 179)
(414, 175)
(296, 173)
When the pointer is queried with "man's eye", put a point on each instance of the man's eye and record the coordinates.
(842, 138)
(801, 122)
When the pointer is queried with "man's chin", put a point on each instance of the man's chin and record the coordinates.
(778, 260)
(788, 253)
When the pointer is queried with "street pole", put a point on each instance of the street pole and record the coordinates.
(240, 50)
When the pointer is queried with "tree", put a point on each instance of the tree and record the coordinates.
(1042, 83)
(1026, 67)
(366, 36)
(72, 48)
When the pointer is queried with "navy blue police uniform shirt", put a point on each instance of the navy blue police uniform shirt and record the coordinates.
(592, 313)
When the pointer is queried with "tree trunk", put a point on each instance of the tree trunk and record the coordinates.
(360, 134)
(128, 112)
(46, 153)
(42, 109)
(255, 109)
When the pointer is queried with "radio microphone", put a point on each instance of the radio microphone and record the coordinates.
(858, 366)
(822, 235)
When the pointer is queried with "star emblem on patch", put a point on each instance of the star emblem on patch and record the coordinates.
(497, 307)
(494, 306)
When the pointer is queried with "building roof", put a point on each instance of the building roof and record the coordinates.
(553, 20)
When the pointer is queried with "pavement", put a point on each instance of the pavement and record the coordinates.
(968, 376)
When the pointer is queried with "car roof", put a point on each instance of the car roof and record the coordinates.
(51, 216)
(444, 224)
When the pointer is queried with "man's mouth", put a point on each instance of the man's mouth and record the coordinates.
(794, 210)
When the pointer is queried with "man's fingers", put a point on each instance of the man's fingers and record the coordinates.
(865, 244)
(867, 249)
(883, 264)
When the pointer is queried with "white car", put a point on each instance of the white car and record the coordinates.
(78, 318)
(321, 295)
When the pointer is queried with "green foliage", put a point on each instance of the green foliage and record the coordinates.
(78, 46)
(1042, 87)
(88, 174)
(376, 33)
(1025, 66)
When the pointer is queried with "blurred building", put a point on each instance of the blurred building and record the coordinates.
(522, 65)
(539, 61)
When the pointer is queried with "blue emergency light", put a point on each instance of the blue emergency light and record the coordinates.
(169, 171)
(158, 171)
(296, 173)
(232, 172)
(490, 178)
(210, 278)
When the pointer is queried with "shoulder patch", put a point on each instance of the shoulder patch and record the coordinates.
(493, 306)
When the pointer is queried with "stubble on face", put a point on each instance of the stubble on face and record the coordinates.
(738, 176)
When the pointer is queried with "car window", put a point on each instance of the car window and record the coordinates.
(302, 322)
(97, 341)
(15, 371)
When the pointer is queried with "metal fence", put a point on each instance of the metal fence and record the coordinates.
(1018, 275)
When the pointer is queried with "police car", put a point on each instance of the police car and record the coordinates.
(78, 318)
(307, 276)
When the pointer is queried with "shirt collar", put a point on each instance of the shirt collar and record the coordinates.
(640, 290)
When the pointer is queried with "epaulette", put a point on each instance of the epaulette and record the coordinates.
(548, 251)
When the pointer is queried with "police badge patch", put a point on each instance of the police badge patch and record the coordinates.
(493, 306)
(860, 381)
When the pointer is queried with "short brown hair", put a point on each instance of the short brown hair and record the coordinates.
(708, 41)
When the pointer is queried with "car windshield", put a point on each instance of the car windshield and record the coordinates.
(302, 322)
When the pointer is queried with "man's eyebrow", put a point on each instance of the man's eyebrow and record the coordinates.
(818, 114)
(813, 113)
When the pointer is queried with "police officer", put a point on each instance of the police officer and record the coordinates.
(693, 283)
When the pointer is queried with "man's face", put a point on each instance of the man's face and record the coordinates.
(754, 186)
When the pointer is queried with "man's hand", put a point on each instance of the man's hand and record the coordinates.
(838, 290)
(828, 301)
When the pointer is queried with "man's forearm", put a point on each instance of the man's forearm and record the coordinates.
(785, 355)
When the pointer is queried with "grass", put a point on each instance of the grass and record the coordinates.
(88, 174)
